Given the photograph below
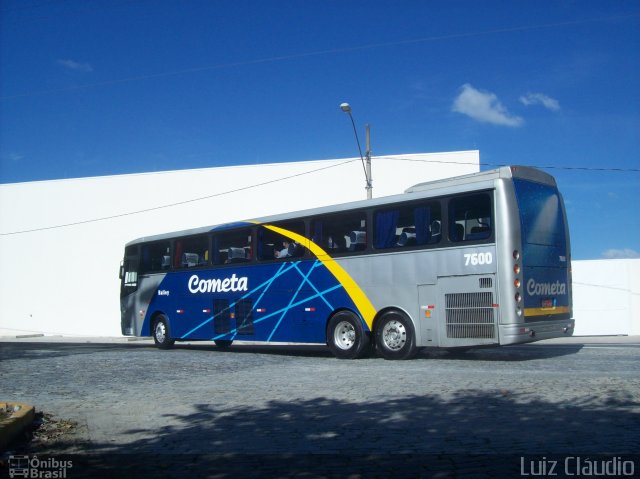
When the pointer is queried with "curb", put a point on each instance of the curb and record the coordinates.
(21, 415)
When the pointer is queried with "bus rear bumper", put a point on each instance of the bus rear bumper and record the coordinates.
(526, 333)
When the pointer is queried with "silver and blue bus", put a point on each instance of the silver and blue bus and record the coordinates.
(476, 260)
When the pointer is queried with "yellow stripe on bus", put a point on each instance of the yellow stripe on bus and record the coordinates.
(546, 311)
(354, 291)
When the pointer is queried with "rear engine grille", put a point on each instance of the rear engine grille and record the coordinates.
(470, 315)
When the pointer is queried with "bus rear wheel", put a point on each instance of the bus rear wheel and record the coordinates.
(345, 336)
(395, 337)
(161, 333)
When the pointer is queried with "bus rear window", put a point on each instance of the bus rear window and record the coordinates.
(541, 214)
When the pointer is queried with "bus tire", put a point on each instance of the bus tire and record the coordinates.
(223, 343)
(345, 336)
(395, 336)
(160, 332)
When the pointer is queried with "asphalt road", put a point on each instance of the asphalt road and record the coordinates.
(298, 412)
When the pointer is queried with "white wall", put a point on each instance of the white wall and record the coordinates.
(606, 296)
(65, 280)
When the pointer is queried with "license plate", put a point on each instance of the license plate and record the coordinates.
(547, 303)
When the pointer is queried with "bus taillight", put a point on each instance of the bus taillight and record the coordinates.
(517, 283)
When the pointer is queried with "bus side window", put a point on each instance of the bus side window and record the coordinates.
(233, 247)
(436, 231)
(273, 245)
(156, 257)
(340, 233)
(470, 218)
(191, 252)
(357, 240)
(406, 226)
(428, 219)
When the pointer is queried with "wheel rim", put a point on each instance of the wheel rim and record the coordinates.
(160, 332)
(344, 335)
(394, 335)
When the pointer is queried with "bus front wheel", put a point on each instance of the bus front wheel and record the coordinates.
(345, 336)
(161, 333)
(395, 337)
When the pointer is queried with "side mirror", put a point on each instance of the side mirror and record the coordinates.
(121, 274)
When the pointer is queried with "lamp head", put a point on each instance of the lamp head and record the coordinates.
(345, 107)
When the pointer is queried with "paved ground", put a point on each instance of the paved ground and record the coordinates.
(298, 412)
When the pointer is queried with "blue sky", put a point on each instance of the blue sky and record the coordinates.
(98, 87)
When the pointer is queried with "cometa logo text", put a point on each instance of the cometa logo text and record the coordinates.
(540, 289)
(218, 285)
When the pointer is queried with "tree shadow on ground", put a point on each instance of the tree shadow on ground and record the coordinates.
(44, 350)
(487, 353)
(471, 434)
(520, 352)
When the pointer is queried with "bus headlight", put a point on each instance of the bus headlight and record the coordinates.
(516, 254)
(516, 283)
(518, 297)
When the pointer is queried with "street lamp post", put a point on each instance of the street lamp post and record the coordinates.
(366, 163)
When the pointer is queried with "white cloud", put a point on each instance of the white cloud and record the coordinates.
(620, 253)
(76, 66)
(12, 157)
(540, 99)
(484, 107)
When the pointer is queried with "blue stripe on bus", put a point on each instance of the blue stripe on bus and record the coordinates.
(266, 284)
(275, 313)
(315, 265)
(263, 289)
(293, 298)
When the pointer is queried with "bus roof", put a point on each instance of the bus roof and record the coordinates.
(525, 172)
(452, 185)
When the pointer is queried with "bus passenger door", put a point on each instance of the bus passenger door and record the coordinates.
(128, 286)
